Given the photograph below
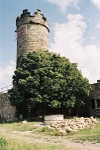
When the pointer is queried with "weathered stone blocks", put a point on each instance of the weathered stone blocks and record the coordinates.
(7, 111)
(32, 33)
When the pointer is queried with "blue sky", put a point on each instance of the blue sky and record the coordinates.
(74, 33)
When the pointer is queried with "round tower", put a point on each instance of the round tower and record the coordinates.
(32, 33)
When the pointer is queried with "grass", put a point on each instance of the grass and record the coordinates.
(15, 144)
(48, 131)
(92, 134)
(29, 126)
(3, 143)
(11, 141)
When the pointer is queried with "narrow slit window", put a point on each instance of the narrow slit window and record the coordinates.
(97, 103)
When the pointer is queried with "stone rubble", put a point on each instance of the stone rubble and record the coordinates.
(73, 125)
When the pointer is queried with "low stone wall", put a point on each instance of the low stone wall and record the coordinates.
(7, 111)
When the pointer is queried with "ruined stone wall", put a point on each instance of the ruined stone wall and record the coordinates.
(32, 33)
(94, 100)
(7, 111)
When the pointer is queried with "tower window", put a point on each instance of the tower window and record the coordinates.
(97, 103)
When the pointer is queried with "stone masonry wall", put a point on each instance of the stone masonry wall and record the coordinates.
(7, 112)
(32, 33)
(94, 99)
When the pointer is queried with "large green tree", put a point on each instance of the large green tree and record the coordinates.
(46, 79)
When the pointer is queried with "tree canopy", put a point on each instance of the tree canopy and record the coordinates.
(49, 80)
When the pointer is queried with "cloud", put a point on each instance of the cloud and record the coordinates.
(64, 4)
(93, 38)
(68, 41)
(98, 26)
(69, 37)
(96, 3)
(6, 74)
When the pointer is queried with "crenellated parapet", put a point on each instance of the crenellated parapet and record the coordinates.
(37, 18)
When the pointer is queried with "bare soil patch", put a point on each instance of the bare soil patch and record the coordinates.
(31, 137)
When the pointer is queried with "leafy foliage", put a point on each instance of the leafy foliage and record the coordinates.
(49, 80)
(3, 143)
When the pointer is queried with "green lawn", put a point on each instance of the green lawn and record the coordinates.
(19, 136)
(11, 144)
(92, 134)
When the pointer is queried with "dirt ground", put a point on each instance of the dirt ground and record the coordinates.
(31, 137)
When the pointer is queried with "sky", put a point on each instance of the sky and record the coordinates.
(74, 33)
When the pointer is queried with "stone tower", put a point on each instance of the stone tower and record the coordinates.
(32, 33)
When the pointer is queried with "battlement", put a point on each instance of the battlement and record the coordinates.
(37, 18)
